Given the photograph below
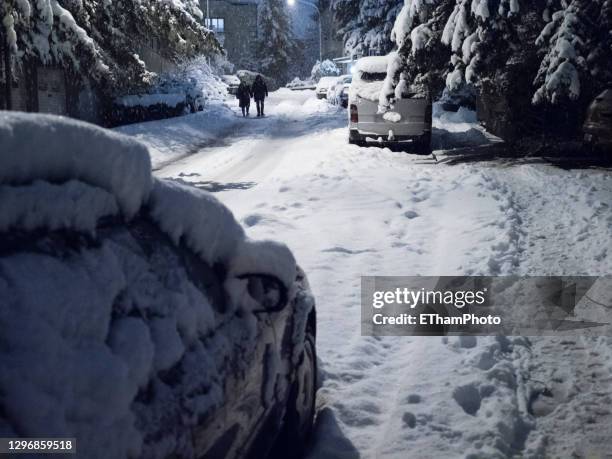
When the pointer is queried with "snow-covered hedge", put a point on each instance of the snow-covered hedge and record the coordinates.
(114, 343)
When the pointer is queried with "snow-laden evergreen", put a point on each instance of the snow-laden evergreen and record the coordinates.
(98, 39)
(577, 46)
(365, 25)
(276, 44)
(547, 52)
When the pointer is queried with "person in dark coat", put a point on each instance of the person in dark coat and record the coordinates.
(243, 94)
(260, 92)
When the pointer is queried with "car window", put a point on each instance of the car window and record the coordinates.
(367, 76)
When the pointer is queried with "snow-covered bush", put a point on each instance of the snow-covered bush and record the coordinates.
(323, 69)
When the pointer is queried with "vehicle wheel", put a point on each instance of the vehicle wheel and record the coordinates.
(355, 138)
(299, 417)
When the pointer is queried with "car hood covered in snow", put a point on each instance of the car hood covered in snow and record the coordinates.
(90, 326)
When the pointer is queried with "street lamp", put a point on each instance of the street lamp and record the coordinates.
(312, 5)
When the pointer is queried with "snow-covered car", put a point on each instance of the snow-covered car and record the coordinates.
(338, 94)
(300, 85)
(136, 315)
(171, 84)
(598, 125)
(324, 85)
(170, 96)
(232, 82)
(408, 121)
(249, 76)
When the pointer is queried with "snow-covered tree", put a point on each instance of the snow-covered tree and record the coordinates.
(365, 25)
(422, 58)
(275, 43)
(97, 39)
(325, 68)
(577, 48)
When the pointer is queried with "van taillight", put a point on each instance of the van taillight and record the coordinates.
(354, 114)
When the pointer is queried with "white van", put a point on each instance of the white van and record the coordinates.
(408, 121)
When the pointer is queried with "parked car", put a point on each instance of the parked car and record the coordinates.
(324, 85)
(194, 97)
(139, 314)
(598, 125)
(338, 94)
(248, 77)
(169, 96)
(300, 85)
(409, 120)
(232, 82)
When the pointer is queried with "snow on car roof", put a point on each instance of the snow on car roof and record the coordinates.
(326, 82)
(54, 149)
(372, 64)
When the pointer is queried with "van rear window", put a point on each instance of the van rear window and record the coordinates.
(367, 76)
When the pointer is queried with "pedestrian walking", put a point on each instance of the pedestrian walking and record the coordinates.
(260, 92)
(243, 94)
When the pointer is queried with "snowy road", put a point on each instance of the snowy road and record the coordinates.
(347, 211)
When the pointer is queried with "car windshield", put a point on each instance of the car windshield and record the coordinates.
(378, 76)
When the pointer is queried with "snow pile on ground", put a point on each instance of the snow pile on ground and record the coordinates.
(290, 105)
(168, 142)
(211, 86)
(458, 129)
(113, 340)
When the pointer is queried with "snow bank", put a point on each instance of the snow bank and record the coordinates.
(43, 147)
(169, 140)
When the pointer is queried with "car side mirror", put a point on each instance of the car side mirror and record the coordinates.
(267, 290)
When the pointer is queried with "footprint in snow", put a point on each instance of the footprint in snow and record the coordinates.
(252, 220)
(410, 214)
(409, 419)
(468, 398)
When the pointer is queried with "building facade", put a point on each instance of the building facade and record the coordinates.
(235, 24)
